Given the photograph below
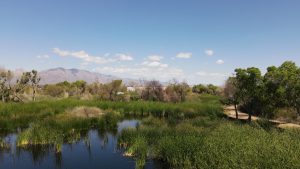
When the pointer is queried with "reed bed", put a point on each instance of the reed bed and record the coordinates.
(21, 115)
(193, 144)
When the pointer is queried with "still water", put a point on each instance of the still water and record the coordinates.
(96, 151)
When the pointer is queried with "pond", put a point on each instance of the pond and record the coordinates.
(97, 150)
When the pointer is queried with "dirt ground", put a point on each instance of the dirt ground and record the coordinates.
(230, 112)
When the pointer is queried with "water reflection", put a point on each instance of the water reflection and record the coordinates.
(94, 149)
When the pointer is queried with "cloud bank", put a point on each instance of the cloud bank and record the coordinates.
(87, 58)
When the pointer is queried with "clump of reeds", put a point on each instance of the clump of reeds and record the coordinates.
(4, 145)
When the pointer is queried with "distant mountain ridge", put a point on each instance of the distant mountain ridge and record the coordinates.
(56, 75)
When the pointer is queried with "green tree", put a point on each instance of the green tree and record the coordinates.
(205, 89)
(200, 89)
(5, 84)
(289, 74)
(54, 90)
(80, 86)
(249, 85)
(282, 86)
(114, 90)
(212, 89)
(177, 92)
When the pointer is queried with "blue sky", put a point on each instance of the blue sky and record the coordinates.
(200, 41)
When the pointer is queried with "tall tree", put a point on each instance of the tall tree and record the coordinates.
(282, 86)
(249, 85)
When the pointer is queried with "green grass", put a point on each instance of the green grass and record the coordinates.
(65, 128)
(213, 143)
(20, 115)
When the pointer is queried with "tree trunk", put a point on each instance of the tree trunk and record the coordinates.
(250, 116)
(3, 99)
(33, 95)
(236, 111)
(298, 110)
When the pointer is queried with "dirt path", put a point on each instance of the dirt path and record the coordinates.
(230, 112)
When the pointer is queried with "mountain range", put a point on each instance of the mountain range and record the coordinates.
(56, 75)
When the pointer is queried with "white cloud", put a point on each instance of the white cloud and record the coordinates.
(184, 55)
(154, 61)
(86, 58)
(124, 57)
(209, 52)
(220, 62)
(160, 73)
(155, 58)
(43, 56)
(154, 64)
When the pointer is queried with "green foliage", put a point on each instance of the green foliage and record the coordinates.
(249, 86)
(235, 146)
(177, 92)
(9, 92)
(114, 91)
(265, 95)
(5, 87)
(54, 90)
(15, 115)
(205, 89)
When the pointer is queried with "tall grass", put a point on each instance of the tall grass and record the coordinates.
(219, 144)
(20, 115)
(65, 128)
(3, 144)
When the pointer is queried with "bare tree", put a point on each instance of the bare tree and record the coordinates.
(230, 93)
(153, 91)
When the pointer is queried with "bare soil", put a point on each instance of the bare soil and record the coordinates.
(230, 112)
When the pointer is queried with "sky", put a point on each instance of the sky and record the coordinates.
(198, 41)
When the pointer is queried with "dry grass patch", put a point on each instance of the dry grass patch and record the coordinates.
(86, 112)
